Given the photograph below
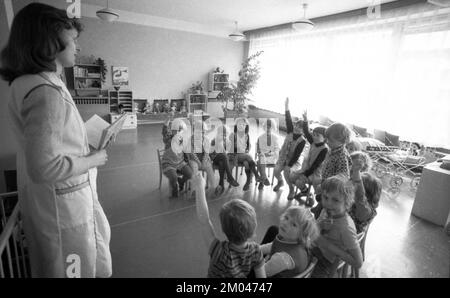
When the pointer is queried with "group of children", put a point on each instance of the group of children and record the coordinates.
(347, 198)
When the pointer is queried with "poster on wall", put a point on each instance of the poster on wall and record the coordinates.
(120, 76)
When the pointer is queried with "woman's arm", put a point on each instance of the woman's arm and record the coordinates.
(44, 113)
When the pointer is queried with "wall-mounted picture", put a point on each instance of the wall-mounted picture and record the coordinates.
(120, 76)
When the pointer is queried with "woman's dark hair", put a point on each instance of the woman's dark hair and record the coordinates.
(247, 125)
(34, 40)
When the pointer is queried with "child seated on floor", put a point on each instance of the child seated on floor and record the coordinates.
(337, 161)
(240, 140)
(311, 171)
(288, 160)
(338, 240)
(174, 161)
(199, 151)
(287, 246)
(220, 146)
(368, 190)
(268, 149)
(237, 256)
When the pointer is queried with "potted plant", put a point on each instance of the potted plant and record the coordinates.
(100, 62)
(196, 88)
(237, 93)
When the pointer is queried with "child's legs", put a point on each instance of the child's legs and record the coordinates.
(270, 235)
(186, 173)
(171, 174)
(221, 161)
(277, 172)
(287, 173)
(207, 166)
(262, 170)
(324, 268)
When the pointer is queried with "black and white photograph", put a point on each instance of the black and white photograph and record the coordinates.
(256, 140)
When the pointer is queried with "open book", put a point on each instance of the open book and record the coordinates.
(101, 132)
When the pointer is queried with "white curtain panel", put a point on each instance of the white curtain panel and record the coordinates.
(391, 73)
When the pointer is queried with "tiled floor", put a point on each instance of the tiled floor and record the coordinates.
(155, 236)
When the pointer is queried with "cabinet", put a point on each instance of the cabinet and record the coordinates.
(84, 79)
(217, 81)
(120, 101)
(130, 120)
(196, 102)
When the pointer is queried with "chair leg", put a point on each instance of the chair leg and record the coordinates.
(160, 178)
(273, 176)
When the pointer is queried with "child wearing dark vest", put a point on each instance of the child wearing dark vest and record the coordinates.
(290, 152)
(311, 171)
(287, 246)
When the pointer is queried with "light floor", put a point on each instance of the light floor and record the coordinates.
(156, 236)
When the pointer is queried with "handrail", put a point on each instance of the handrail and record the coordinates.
(7, 231)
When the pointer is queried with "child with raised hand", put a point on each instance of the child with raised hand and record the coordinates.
(338, 160)
(268, 149)
(237, 256)
(287, 246)
(311, 171)
(240, 138)
(338, 239)
(368, 190)
(290, 152)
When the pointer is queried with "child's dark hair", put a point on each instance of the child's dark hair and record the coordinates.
(35, 40)
(373, 188)
(343, 186)
(238, 220)
(320, 130)
(367, 160)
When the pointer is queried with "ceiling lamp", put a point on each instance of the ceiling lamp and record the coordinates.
(442, 3)
(107, 14)
(303, 24)
(236, 35)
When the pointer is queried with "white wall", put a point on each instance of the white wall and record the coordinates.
(162, 63)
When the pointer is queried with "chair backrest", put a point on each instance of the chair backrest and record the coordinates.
(160, 153)
(308, 271)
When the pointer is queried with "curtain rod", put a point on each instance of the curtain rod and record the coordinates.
(347, 14)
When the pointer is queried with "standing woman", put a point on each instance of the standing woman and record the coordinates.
(66, 230)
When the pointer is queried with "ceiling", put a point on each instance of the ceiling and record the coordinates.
(250, 14)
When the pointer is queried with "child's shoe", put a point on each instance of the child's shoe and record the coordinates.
(246, 185)
(233, 183)
(219, 190)
(278, 186)
(175, 193)
(291, 195)
(309, 201)
(266, 182)
(180, 183)
(260, 186)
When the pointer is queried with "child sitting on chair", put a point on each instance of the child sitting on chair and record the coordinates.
(338, 160)
(338, 239)
(199, 151)
(287, 246)
(267, 149)
(311, 171)
(290, 152)
(220, 146)
(173, 161)
(240, 138)
(238, 256)
(368, 190)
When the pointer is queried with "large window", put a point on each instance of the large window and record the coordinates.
(391, 74)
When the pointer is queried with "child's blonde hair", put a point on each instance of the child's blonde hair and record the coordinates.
(353, 146)
(343, 186)
(367, 160)
(238, 220)
(338, 132)
(373, 188)
(309, 230)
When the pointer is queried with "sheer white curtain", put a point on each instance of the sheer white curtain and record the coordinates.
(391, 73)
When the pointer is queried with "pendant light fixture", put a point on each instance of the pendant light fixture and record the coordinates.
(303, 24)
(441, 3)
(107, 14)
(236, 35)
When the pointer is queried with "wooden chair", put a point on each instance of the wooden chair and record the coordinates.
(268, 167)
(309, 270)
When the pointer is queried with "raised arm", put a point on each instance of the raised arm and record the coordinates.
(306, 128)
(208, 231)
(289, 125)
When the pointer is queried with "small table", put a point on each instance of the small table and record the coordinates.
(432, 201)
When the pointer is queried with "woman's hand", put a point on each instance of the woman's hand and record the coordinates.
(97, 158)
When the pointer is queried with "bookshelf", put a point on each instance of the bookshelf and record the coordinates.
(85, 79)
(196, 102)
